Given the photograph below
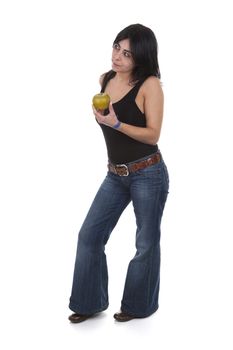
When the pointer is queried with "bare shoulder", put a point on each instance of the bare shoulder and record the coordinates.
(152, 85)
(101, 78)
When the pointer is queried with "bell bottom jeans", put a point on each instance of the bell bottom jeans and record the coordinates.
(147, 189)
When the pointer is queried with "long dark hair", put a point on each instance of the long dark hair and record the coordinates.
(144, 48)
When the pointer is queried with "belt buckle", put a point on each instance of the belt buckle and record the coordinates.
(125, 169)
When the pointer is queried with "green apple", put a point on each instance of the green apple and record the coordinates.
(101, 101)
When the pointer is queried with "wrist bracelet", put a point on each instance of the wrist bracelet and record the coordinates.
(117, 125)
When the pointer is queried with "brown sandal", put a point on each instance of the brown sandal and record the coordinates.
(77, 318)
(123, 317)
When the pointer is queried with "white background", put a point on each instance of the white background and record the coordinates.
(53, 159)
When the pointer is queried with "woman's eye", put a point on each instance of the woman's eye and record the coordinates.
(127, 54)
(116, 46)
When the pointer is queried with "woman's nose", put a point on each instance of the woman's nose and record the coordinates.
(117, 55)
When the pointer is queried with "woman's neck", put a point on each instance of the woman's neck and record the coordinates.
(122, 78)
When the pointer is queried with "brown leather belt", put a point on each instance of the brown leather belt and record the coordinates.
(125, 170)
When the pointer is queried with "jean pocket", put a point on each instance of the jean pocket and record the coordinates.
(153, 172)
(157, 175)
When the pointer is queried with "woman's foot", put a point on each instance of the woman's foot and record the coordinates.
(123, 317)
(77, 318)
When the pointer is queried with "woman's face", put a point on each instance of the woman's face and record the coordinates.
(122, 60)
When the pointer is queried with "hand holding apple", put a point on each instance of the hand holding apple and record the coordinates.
(110, 119)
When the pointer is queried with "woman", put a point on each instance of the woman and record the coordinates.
(136, 172)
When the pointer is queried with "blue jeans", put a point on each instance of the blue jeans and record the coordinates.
(147, 189)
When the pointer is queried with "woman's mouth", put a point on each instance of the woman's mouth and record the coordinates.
(115, 64)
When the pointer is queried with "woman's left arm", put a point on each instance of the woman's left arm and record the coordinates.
(153, 108)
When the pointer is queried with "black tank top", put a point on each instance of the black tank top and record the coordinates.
(120, 147)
